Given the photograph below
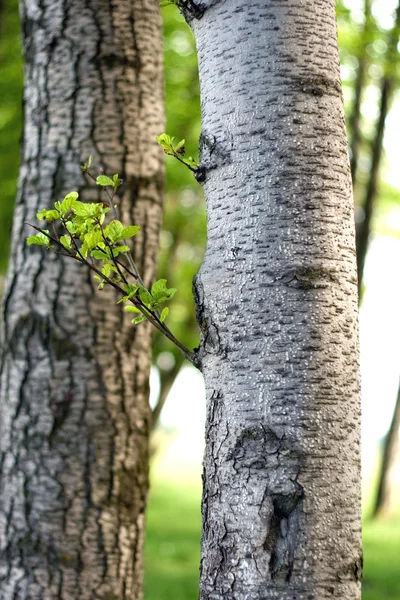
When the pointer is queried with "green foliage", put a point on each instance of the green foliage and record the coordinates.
(87, 239)
(11, 75)
(105, 181)
(41, 239)
(167, 143)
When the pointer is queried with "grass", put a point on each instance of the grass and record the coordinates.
(173, 545)
(173, 542)
(381, 541)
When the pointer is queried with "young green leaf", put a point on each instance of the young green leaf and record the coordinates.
(104, 180)
(160, 292)
(114, 230)
(40, 239)
(86, 166)
(66, 241)
(71, 226)
(179, 147)
(92, 239)
(164, 314)
(83, 209)
(138, 320)
(48, 215)
(68, 202)
(129, 231)
(120, 249)
(117, 181)
(131, 309)
(99, 255)
(106, 270)
(145, 296)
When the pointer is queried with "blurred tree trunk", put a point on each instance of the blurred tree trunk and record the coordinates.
(388, 497)
(355, 117)
(75, 420)
(363, 231)
(277, 306)
(388, 487)
(167, 380)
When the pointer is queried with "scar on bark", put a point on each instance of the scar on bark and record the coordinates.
(318, 85)
(283, 529)
(191, 10)
(309, 277)
(213, 154)
(275, 458)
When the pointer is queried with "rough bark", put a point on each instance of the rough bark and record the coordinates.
(277, 306)
(75, 419)
(387, 500)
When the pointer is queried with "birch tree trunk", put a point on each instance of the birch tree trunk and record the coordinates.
(75, 419)
(277, 306)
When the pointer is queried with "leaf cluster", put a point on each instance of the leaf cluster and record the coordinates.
(89, 237)
(167, 143)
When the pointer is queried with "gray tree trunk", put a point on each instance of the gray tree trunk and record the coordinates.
(277, 306)
(75, 420)
(387, 500)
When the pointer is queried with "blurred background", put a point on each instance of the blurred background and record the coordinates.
(369, 46)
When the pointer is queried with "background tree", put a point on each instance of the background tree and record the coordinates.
(277, 306)
(74, 408)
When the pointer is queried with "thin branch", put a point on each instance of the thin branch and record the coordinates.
(150, 315)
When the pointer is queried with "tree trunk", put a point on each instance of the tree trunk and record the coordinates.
(277, 306)
(74, 407)
(355, 118)
(387, 501)
(386, 91)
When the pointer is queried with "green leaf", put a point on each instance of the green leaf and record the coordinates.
(86, 166)
(120, 249)
(40, 239)
(164, 314)
(145, 296)
(138, 320)
(131, 291)
(114, 230)
(106, 270)
(180, 145)
(160, 292)
(117, 181)
(48, 215)
(91, 239)
(131, 309)
(41, 214)
(66, 241)
(83, 209)
(104, 180)
(158, 287)
(167, 3)
(130, 231)
(166, 142)
(99, 255)
(68, 202)
(71, 226)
